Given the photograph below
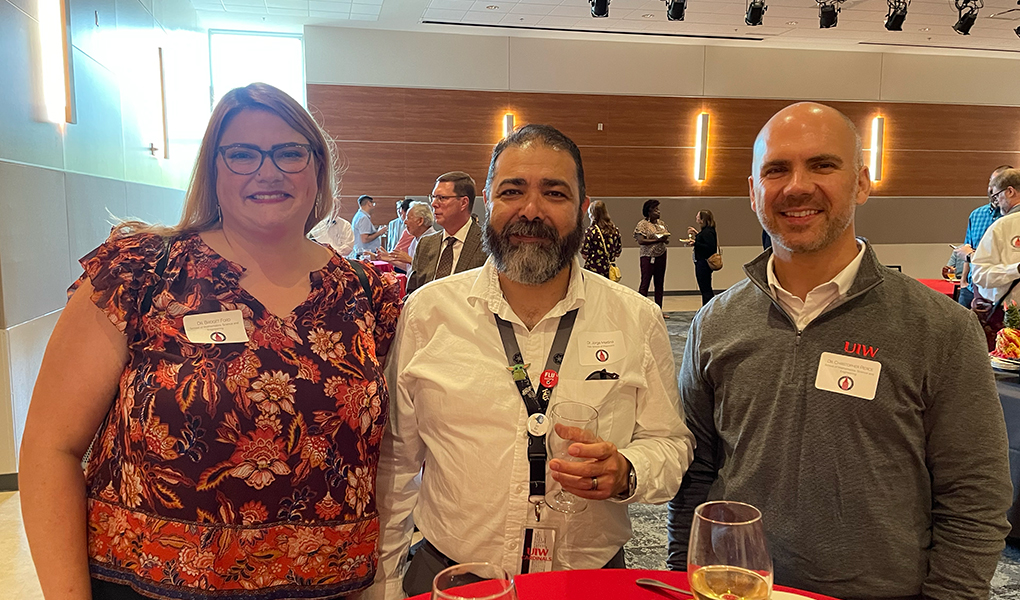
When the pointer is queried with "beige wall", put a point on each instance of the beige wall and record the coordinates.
(529, 64)
(60, 184)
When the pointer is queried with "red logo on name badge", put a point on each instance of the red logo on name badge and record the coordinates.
(602, 356)
(217, 336)
(1015, 241)
(549, 378)
(846, 384)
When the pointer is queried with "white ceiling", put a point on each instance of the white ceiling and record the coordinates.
(787, 23)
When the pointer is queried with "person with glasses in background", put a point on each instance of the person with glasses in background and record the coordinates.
(458, 247)
(995, 263)
(977, 224)
(228, 375)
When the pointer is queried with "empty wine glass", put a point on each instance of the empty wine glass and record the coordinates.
(473, 581)
(570, 414)
(728, 556)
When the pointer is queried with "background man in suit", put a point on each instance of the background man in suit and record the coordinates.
(459, 246)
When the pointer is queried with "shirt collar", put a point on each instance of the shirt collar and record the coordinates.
(843, 280)
(486, 289)
(461, 234)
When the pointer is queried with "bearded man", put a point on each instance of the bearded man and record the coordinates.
(852, 405)
(470, 352)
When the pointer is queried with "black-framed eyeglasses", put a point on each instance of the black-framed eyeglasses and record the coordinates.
(994, 197)
(245, 159)
(441, 198)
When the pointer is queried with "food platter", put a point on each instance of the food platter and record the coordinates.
(1005, 365)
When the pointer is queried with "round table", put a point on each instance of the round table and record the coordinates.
(608, 583)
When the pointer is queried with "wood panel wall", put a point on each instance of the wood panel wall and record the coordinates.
(398, 140)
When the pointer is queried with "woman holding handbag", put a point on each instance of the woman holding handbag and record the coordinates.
(706, 246)
(602, 244)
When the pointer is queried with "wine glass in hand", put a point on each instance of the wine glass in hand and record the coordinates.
(583, 418)
(728, 556)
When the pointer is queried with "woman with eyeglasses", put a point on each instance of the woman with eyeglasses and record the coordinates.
(227, 372)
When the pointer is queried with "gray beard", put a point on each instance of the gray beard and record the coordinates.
(531, 264)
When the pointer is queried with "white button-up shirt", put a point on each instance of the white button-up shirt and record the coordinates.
(995, 263)
(817, 300)
(454, 406)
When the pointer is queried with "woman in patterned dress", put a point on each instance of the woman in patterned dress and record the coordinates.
(602, 244)
(227, 372)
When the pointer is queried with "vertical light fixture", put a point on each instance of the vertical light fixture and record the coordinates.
(701, 148)
(54, 63)
(508, 124)
(877, 147)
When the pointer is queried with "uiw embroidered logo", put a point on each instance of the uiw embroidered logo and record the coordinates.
(860, 349)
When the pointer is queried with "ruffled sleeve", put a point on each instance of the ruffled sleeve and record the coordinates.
(121, 269)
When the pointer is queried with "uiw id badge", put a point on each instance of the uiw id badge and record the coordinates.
(537, 556)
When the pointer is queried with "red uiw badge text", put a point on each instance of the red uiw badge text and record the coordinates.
(541, 554)
(861, 349)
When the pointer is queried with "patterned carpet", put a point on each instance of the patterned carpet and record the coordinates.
(647, 549)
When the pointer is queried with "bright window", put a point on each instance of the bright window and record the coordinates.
(241, 57)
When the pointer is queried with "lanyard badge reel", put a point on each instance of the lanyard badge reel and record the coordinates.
(538, 540)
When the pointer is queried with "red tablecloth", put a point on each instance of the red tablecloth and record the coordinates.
(382, 266)
(941, 285)
(614, 584)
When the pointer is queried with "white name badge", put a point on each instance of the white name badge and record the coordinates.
(600, 348)
(848, 375)
(225, 327)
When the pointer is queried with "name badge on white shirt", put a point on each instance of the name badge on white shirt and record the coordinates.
(848, 375)
(601, 348)
(225, 327)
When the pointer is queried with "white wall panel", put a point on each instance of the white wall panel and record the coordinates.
(22, 137)
(951, 79)
(8, 454)
(775, 73)
(27, 343)
(584, 67)
(34, 252)
(405, 59)
(91, 203)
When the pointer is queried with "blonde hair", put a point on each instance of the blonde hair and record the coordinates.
(201, 207)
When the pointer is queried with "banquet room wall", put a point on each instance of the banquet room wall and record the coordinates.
(631, 107)
(62, 185)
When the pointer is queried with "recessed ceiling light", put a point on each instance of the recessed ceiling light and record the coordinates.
(492, 7)
(791, 22)
(925, 29)
(648, 16)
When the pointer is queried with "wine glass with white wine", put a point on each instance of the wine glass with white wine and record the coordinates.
(728, 556)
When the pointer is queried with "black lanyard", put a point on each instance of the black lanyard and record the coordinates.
(536, 402)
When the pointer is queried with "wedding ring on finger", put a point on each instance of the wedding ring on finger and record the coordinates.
(594, 483)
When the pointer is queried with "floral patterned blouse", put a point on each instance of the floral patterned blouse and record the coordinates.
(598, 256)
(648, 229)
(237, 470)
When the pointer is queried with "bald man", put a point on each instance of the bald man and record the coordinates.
(851, 404)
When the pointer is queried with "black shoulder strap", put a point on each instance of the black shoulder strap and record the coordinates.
(160, 270)
(359, 270)
(1000, 301)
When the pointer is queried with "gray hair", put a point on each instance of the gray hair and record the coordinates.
(422, 211)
